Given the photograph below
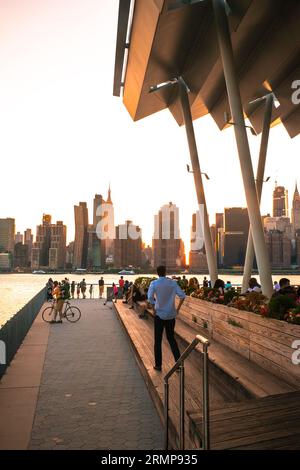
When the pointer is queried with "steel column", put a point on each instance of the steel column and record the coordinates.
(236, 108)
(187, 116)
(259, 185)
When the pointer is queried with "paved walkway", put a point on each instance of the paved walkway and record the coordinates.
(92, 395)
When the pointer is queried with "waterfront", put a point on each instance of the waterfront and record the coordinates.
(17, 289)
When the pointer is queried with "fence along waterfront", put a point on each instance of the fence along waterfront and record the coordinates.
(16, 328)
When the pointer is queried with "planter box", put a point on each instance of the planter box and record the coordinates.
(265, 341)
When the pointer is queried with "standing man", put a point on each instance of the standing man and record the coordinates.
(162, 293)
(83, 287)
(101, 287)
(58, 296)
(121, 284)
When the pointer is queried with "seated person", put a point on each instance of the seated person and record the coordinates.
(220, 285)
(285, 288)
(139, 300)
(128, 292)
(254, 286)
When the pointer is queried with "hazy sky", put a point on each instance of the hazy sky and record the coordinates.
(64, 137)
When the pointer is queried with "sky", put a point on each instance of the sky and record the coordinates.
(64, 137)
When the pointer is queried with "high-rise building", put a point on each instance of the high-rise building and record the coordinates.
(148, 255)
(49, 249)
(57, 251)
(28, 240)
(279, 248)
(81, 236)
(109, 229)
(5, 261)
(18, 238)
(7, 235)
(21, 256)
(219, 232)
(42, 243)
(128, 245)
(281, 224)
(296, 210)
(69, 255)
(197, 255)
(280, 202)
(168, 248)
(96, 246)
(236, 228)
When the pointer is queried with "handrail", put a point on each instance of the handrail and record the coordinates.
(180, 364)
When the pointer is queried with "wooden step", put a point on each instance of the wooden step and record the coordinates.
(265, 423)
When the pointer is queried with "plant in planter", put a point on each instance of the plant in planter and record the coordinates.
(144, 282)
(293, 316)
(252, 302)
(230, 295)
(280, 305)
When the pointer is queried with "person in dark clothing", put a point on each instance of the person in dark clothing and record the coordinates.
(49, 288)
(73, 289)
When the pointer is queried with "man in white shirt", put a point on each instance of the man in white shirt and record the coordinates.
(162, 293)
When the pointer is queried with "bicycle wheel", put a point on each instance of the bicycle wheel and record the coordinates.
(47, 314)
(72, 314)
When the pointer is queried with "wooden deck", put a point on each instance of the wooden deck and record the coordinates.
(268, 423)
(237, 386)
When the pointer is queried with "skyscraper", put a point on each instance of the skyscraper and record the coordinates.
(280, 202)
(28, 240)
(49, 249)
(81, 236)
(197, 255)
(296, 210)
(109, 228)
(7, 235)
(18, 238)
(21, 258)
(279, 248)
(57, 251)
(236, 228)
(168, 248)
(40, 251)
(128, 245)
(96, 247)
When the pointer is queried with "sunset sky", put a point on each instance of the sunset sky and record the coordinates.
(64, 137)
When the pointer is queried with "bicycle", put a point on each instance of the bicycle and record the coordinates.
(71, 313)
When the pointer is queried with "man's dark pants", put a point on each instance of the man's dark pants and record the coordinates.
(159, 326)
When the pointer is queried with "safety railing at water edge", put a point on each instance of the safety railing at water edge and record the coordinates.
(180, 365)
(13, 332)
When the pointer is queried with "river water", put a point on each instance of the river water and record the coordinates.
(17, 289)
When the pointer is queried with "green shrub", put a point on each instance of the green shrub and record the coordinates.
(279, 306)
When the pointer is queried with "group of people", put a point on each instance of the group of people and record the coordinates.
(58, 291)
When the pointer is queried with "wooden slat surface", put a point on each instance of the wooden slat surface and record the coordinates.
(268, 423)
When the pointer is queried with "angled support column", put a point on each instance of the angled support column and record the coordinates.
(187, 116)
(259, 185)
(236, 108)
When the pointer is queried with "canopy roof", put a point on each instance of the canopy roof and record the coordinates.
(167, 42)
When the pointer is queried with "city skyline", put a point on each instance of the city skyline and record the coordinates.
(289, 208)
(58, 112)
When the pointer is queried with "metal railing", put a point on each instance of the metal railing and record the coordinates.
(180, 365)
(13, 332)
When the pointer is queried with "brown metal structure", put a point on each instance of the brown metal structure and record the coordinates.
(167, 43)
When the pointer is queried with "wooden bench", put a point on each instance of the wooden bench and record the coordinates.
(254, 381)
